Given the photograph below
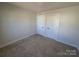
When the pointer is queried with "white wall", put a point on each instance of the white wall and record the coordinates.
(15, 23)
(68, 29)
(69, 26)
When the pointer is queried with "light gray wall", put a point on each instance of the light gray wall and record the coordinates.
(15, 23)
(69, 26)
(68, 29)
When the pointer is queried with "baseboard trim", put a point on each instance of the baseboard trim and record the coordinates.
(6, 44)
(73, 45)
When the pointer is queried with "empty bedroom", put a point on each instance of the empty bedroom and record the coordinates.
(39, 29)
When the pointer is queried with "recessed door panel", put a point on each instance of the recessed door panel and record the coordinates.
(41, 24)
(52, 25)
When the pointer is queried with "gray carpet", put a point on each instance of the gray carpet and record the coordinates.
(38, 46)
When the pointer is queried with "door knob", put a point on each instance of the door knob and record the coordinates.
(42, 27)
(48, 28)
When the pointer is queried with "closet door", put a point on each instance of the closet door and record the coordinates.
(52, 25)
(41, 24)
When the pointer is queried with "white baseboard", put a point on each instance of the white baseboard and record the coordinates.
(6, 44)
(70, 44)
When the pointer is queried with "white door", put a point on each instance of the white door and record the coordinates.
(52, 25)
(41, 24)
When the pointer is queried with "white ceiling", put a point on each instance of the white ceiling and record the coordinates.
(43, 6)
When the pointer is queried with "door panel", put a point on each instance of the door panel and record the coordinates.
(41, 24)
(52, 25)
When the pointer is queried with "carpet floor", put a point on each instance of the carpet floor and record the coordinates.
(38, 46)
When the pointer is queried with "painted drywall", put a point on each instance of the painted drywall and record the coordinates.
(15, 23)
(69, 26)
(68, 29)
